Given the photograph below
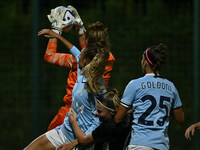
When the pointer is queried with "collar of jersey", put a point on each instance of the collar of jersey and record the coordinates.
(150, 74)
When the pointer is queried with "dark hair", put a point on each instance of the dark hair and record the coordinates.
(156, 56)
(110, 99)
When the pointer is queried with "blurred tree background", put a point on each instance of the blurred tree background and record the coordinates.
(133, 25)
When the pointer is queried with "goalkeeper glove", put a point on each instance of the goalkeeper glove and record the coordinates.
(77, 21)
(58, 20)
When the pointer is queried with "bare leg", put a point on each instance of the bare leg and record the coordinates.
(40, 143)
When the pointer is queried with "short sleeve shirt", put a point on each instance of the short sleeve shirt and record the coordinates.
(84, 104)
(151, 99)
(104, 131)
(112, 133)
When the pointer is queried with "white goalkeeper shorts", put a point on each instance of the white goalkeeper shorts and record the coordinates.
(57, 137)
(138, 147)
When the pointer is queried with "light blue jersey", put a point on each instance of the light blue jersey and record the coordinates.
(152, 98)
(84, 104)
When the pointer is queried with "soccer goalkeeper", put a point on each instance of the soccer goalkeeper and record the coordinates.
(67, 60)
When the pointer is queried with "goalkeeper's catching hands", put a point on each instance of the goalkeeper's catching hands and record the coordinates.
(60, 17)
(78, 23)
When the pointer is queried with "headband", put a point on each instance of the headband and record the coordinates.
(105, 106)
(148, 58)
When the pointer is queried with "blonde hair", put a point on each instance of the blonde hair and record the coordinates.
(97, 52)
(95, 69)
(110, 99)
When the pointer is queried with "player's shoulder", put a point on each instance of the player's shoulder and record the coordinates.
(135, 82)
(140, 79)
(168, 82)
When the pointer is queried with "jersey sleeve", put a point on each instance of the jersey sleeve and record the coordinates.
(108, 69)
(75, 52)
(176, 101)
(129, 94)
(59, 59)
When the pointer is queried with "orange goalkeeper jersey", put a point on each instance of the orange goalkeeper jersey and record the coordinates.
(68, 61)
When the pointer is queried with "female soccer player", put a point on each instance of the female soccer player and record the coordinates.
(108, 131)
(191, 129)
(96, 32)
(91, 66)
(152, 98)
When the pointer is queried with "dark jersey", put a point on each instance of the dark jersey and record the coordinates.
(114, 134)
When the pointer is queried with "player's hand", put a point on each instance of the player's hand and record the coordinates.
(65, 147)
(72, 115)
(57, 19)
(190, 132)
(54, 19)
(52, 15)
(48, 33)
(77, 21)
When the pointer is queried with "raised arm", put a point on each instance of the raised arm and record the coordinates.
(51, 55)
(78, 23)
(50, 34)
(59, 59)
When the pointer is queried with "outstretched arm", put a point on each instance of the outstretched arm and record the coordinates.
(50, 34)
(51, 55)
(82, 41)
(59, 59)
(190, 130)
(78, 23)
(80, 135)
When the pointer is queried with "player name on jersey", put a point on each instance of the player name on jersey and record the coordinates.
(156, 85)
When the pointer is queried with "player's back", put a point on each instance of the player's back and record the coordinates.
(152, 99)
